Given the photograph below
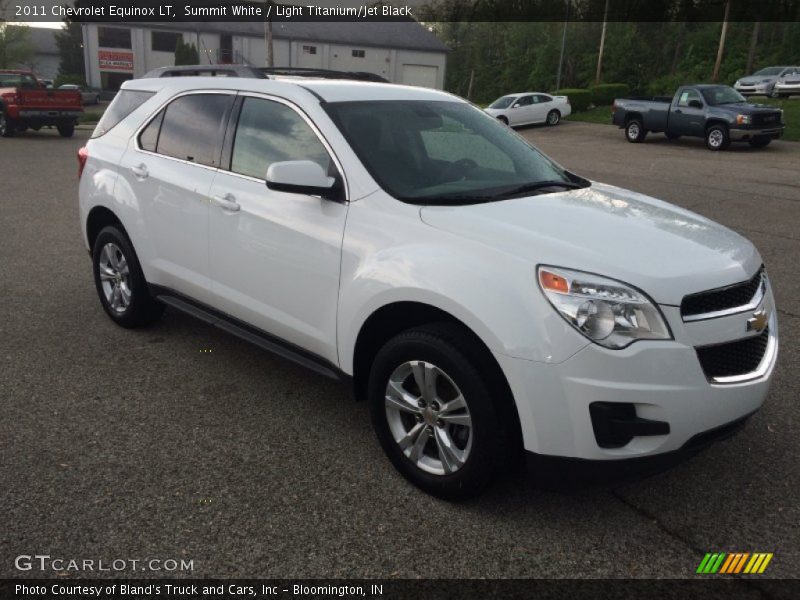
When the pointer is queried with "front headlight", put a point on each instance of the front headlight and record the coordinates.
(608, 312)
(743, 119)
(737, 82)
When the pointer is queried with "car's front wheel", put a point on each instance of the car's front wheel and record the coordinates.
(433, 411)
(717, 137)
(120, 282)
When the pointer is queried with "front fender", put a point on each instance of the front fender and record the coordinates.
(492, 292)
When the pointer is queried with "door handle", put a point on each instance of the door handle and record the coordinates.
(140, 171)
(226, 202)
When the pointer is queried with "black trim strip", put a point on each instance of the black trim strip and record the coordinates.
(249, 333)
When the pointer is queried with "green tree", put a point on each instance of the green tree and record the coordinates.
(70, 50)
(15, 46)
(186, 54)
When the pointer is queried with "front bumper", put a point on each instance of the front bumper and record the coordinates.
(742, 135)
(663, 381)
(760, 89)
(790, 89)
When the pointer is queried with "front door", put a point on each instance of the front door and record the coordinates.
(688, 114)
(275, 256)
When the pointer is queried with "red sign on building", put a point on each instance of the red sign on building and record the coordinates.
(116, 61)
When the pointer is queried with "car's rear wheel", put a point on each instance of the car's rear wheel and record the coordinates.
(717, 137)
(66, 131)
(635, 131)
(760, 141)
(7, 128)
(433, 411)
(553, 117)
(120, 282)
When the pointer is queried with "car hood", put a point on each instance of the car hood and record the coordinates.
(662, 249)
(494, 111)
(753, 80)
(748, 108)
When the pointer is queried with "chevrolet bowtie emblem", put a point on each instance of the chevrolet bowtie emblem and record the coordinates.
(758, 322)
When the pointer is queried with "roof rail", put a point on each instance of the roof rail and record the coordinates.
(321, 73)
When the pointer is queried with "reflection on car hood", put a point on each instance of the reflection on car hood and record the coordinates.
(665, 250)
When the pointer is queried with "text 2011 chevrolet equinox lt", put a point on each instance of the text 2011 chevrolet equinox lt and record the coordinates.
(484, 300)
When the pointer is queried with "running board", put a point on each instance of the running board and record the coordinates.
(248, 333)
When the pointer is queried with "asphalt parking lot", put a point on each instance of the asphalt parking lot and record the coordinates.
(182, 442)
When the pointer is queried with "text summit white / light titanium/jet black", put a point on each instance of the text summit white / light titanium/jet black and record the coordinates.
(484, 300)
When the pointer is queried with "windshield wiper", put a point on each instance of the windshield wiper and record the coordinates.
(539, 185)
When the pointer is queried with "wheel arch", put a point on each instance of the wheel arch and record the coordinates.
(716, 121)
(98, 218)
(633, 115)
(396, 317)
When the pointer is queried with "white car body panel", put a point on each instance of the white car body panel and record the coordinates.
(312, 271)
(533, 113)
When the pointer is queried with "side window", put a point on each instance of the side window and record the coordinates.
(525, 101)
(542, 98)
(687, 96)
(270, 132)
(148, 139)
(193, 127)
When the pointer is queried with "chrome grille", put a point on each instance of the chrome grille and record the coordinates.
(708, 304)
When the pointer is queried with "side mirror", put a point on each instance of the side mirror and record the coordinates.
(301, 177)
(695, 104)
(515, 105)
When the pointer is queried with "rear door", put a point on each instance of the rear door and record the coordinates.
(168, 171)
(275, 256)
(541, 106)
(686, 119)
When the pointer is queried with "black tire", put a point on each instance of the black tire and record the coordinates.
(66, 131)
(760, 141)
(717, 137)
(142, 309)
(7, 127)
(457, 355)
(635, 131)
(553, 118)
(503, 120)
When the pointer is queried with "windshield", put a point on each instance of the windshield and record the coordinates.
(18, 80)
(722, 95)
(503, 102)
(433, 152)
(769, 71)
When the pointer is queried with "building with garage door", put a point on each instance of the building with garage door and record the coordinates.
(402, 52)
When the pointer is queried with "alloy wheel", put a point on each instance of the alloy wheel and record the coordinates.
(633, 131)
(715, 138)
(428, 417)
(115, 277)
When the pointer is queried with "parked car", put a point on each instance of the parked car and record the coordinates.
(26, 103)
(88, 96)
(762, 83)
(48, 83)
(717, 113)
(529, 108)
(788, 84)
(484, 300)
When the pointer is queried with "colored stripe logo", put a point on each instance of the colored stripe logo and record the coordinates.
(734, 563)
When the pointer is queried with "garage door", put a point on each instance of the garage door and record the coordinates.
(421, 75)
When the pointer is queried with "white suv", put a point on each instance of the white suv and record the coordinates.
(483, 299)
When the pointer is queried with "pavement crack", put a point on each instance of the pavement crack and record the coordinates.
(686, 542)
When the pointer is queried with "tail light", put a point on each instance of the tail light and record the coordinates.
(83, 155)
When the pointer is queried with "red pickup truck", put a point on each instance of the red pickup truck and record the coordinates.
(26, 103)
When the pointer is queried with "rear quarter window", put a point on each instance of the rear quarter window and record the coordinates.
(123, 104)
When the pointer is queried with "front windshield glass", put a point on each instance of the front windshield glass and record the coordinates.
(769, 71)
(503, 102)
(722, 95)
(444, 152)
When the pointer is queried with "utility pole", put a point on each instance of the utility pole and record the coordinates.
(602, 45)
(268, 37)
(722, 35)
(563, 43)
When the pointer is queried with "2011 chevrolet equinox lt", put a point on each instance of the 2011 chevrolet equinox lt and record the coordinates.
(483, 299)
